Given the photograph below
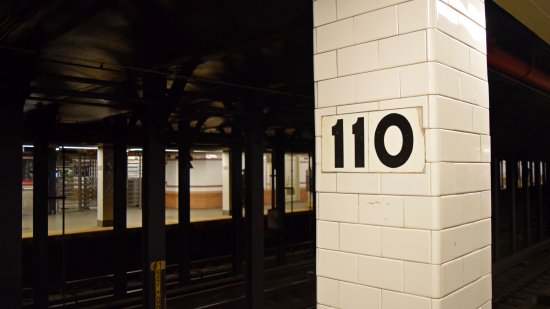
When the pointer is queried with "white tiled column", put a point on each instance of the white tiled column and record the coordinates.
(406, 240)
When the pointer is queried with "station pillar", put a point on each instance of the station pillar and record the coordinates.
(120, 180)
(14, 88)
(236, 194)
(105, 185)
(184, 202)
(254, 206)
(403, 154)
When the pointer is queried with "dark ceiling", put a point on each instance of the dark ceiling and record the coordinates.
(228, 60)
(219, 62)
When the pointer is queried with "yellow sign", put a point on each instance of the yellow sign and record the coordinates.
(158, 267)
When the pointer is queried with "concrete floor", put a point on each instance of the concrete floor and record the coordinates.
(86, 220)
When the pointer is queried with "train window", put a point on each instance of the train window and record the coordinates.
(533, 178)
(502, 175)
(540, 180)
(520, 175)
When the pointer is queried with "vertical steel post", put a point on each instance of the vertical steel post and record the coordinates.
(184, 203)
(236, 184)
(11, 127)
(281, 202)
(511, 166)
(154, 207)
(527, 188)
(40, 222)
(120, 175)
(496, 191)
(254, 214)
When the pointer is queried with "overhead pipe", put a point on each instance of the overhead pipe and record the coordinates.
(529, 73)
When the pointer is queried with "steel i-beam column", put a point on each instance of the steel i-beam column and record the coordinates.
(236, 167)
(254, 214)
(184, 204)
(281, 203)
(40, 221)
(154, 119)
(11, 127)
(120, 172)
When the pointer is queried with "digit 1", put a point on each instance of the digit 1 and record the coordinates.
(359, 132)
(338, 133)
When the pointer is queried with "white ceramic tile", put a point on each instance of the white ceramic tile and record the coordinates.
(472, 34)
(357, 108)
(439, 46)
(358, 183)
(319, 306)
(476, 11)
(460, 5)
(481, 120)
(421, 101)
(320, 112)
(395, 300)
(327, 291)
(317, 150)
(337, 265)
(452, 276)
(381, 210)
(452, 146)
(335, 35)
(324, 182)
(420, 212)
(358, 58)
(487, 305)
(474, 90)
(336, 91)
(455, 242)
(443, 48)
(338, 207)
(324, 11)
(472, 177)
(377, 85)
(406, 184)
(454, 178)
(471, 296)
(413, 15)
(375, 25)
(447, 113)
(478, 64)
(393, 140)
(472, 207)
(446, 80)
(380, 272)
(422, 279)
(324, 65)
(485, 204)
(477, 265)
(354, 296)
(359, 238)
(328, 235)
(391, 49)
(452, 210)
(446, 19)
(314, 41)
(415, 80)
(347, 8)
(406, 244)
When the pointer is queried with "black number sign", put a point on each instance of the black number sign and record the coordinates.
(359, 133)
(406, 149)
(338, 133)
